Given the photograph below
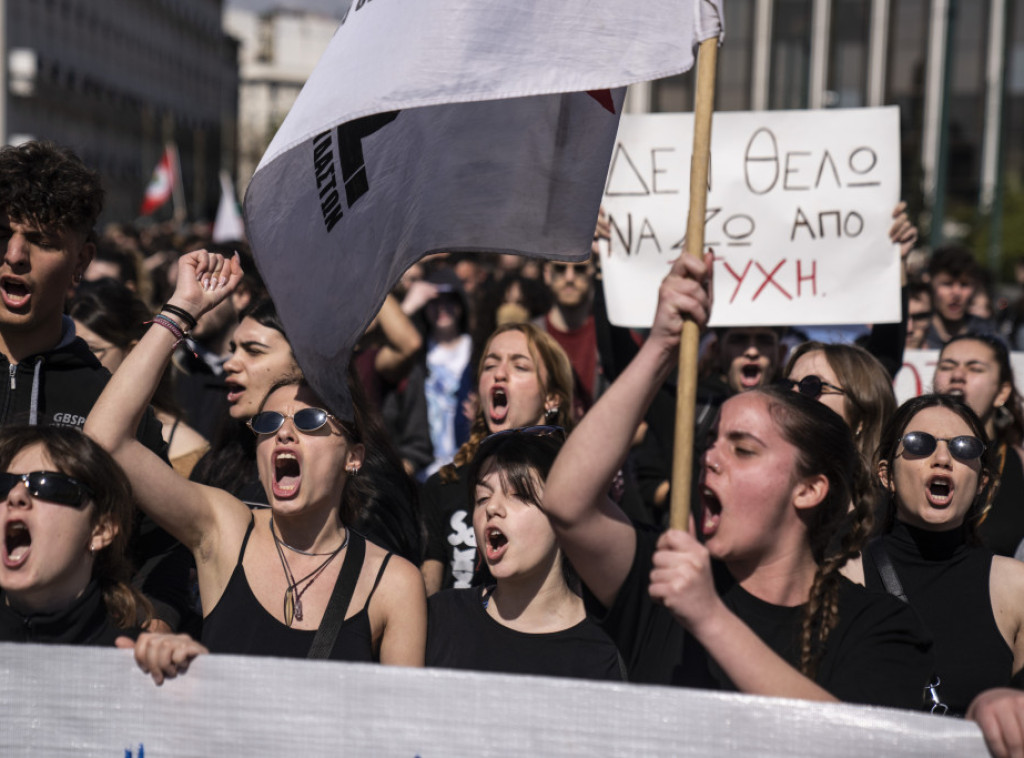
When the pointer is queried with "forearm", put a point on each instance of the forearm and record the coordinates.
(115, 417)
(749, 663)
(595, 450)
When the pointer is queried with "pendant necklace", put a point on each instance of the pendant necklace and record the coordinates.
(293, 595)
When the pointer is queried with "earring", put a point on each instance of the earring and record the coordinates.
(551, 414)
(352, 469)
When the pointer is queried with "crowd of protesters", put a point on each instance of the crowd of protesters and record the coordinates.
(174, 486)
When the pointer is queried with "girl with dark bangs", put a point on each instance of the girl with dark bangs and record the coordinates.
(531, 620)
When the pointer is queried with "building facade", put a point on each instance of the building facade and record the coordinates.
(115, 80)
(955, 68)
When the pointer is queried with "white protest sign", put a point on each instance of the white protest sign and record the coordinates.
(918, 371)
(799, 208)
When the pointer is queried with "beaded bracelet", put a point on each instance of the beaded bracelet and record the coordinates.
(173, 327)
(188, 318)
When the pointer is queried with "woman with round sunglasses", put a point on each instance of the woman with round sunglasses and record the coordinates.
(761, 606)
(976, 369)
(850, 381)
(66, 519)
(524, 378)
(269, 578)
(935, 464)
(530, 619)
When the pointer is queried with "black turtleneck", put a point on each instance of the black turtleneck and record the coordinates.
(946, 582)
(84, 622)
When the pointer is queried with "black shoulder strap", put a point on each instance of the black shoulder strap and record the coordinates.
(323, 643)
(885, 569)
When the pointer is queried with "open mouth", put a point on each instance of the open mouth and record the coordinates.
(287, 474)
(940, 491)
(17, 543)
(235, 391)
(14, 292)
(712, 510)
(750, 375)
(499, 404)
(496, 543)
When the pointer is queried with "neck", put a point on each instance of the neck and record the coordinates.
(567, 318)
(29, 602)
(537, 603)
(310, 534)
(446, 335)
(18, 345)
(785, 580)
(947, 329)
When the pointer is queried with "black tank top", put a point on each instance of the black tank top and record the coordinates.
(947, 582)
(239, 625)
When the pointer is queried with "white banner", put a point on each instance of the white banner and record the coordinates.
(799, 208)
(75, 701)
(438, 125)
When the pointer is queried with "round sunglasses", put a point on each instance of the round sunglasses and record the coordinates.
(307, 420)
(963, 448)
(51, 486)
(813, 386)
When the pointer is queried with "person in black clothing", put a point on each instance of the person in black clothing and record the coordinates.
(524, 378)
(272, 574)
(934, 462)
(976, 369)
(531, 620)
(761, 608)
(49, 204)
(66, 520)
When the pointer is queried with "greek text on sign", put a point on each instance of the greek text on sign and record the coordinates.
(799, 208)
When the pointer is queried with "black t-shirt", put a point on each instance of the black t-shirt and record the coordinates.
(461, 635)
(448, 517)
(878, 653)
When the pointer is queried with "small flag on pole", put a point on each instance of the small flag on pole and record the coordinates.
(161, 184)
(447, 125)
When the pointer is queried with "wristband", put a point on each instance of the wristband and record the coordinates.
(188, 318)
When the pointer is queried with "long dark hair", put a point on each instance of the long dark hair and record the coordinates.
(1009, 424)
(78, 456)
(890, 445)
(836, 532)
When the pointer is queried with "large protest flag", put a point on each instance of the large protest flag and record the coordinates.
(447, 125)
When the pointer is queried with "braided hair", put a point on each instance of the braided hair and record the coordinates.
(840, 524)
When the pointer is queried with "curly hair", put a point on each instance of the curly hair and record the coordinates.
(76, 455)
(49, 187)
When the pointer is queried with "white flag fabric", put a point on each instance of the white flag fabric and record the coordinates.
(228, 226)
(446, 125)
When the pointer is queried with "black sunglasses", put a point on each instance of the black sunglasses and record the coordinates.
(307, 420)
(561, 269)
(813, 386)
(963, 448)
(51, 486)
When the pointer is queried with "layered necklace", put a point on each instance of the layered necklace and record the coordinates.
(293, 595)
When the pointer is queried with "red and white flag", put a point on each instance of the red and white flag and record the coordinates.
(447, 125)
(161, 184)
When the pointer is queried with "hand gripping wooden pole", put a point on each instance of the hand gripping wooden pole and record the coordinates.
(686, 393)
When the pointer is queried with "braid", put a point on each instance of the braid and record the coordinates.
(476, 435)
(822, 612)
